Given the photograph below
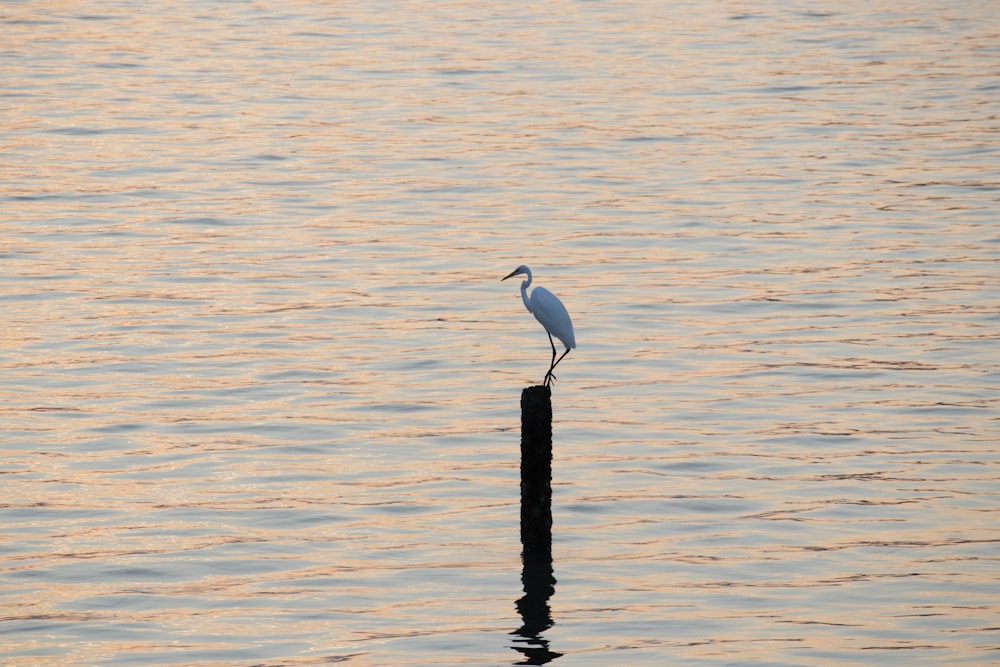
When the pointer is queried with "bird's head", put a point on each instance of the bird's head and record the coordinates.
(519, 271)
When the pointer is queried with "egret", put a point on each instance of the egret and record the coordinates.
(550, 313)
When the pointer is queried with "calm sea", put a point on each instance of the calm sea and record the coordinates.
(260, 378)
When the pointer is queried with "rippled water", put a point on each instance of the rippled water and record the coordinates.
(261, 380)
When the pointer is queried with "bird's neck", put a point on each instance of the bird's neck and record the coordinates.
(524, 294)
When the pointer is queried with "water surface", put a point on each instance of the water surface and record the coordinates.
(261, 380)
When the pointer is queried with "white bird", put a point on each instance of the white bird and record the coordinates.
(550, 313)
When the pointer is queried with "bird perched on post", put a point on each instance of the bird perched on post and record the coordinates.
(550, 313)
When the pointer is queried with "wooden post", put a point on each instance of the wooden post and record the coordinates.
(536, 472)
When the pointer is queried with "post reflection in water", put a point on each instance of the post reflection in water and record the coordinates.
(539, 585)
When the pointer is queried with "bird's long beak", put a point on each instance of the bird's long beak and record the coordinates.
(510, 275)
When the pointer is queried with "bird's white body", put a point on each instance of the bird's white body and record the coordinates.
(550, 313)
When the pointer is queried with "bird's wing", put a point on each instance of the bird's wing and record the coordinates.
(551, 313)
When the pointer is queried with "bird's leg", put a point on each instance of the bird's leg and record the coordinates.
(556, 363)
(549, 376)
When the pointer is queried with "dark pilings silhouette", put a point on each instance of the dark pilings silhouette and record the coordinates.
(536, 472)
(536, 527)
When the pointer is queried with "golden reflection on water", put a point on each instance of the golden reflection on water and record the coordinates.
(261, 378)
